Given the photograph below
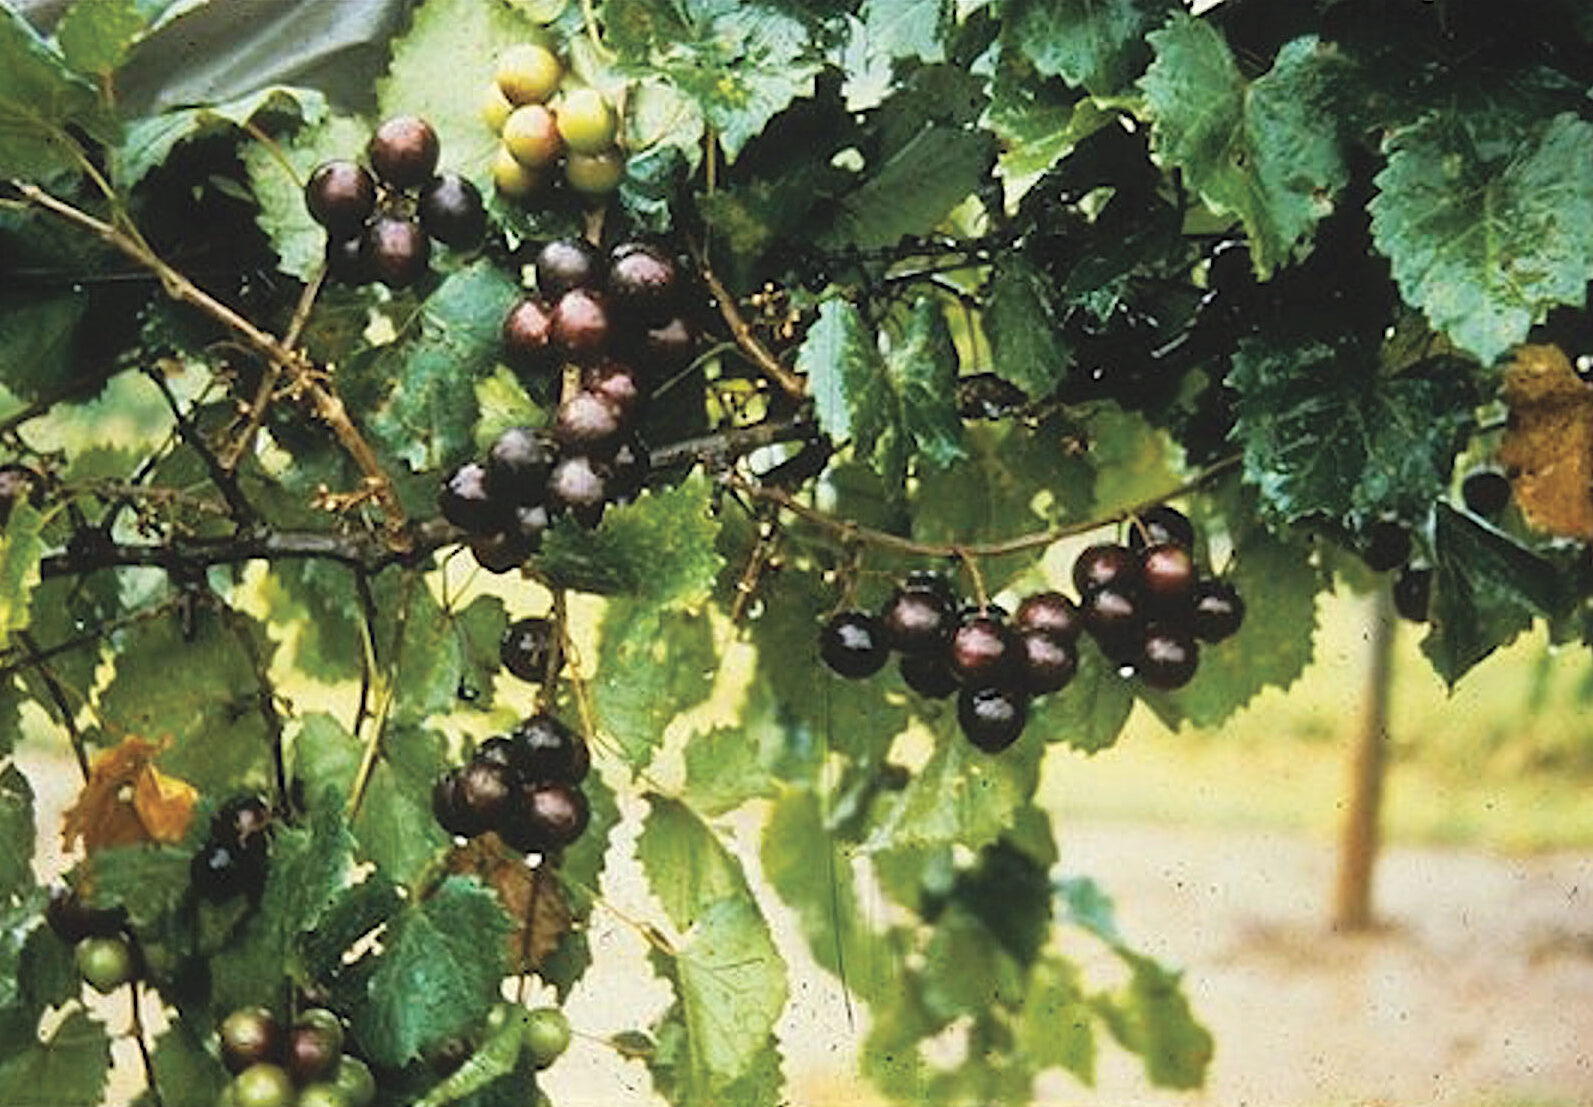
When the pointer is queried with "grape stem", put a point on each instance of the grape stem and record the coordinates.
(850, 531)
(792, 384)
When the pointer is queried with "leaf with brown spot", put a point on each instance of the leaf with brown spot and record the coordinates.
(533, 897)
(1548, 446)
(127, 801)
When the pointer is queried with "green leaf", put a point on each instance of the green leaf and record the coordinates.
(69, 1070)
(1267, 150)
(355, 913)
(965, 971)
(1085, 905)
(1486, 246)
(658, 550)
(1486, 590)
(39, 332)
(1091, 711)
(1279, 586)
(906, 28)
(150, 141)
(17, 832)
(96, 35)
(724, 769)
(843, 369)
(395, 825)
(1056, 1026)
(686, 865)
(148, 881)
(730, 986)
(913, 187)
(1026, 343)
(39, 99)
(189, 1075)
(300, 242)
(503, 403)
(492, 1060)
(921, 371)
(1325, 433)
(1099, 44)
(21, 550)
(1151, 1017)
(450, 98)
(652, 665)
(437, 976)
(1038, 124)
(810, 870)
(429, 416)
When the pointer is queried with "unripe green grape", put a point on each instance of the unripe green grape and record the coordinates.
(528, 73)
(595, 174)
(547, 1035)
(586, 121)
(532, 136)
(513, 180)
(353, 1078)
(263, 1085)
(495, 108)
(104, 963)
(322, 1094)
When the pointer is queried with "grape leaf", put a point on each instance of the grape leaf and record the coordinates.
(355, 913)
(429, 416)
(1267, 150)
(17, 831)
(69, 1070)
(1099, 44)
(1038, 124)
(300, 242)
(906, 28)
(503, 403)
(730, 987)
(652, 665)
(150, 141)
(39, 99)
(1026, 343)
(437, 976)
(658, 550)
(1324, 432)
(96, 35)
(724, 769)
(21, 550)
(1091, 711)
(189, 1075)
(148, 881)
(1486, 590)
(843, 370)
(1151, 1017)
(492, 1060)
(921, 372)
(450, 99)
(1133, 460)
(1278, 584)
(583, 862)
(1486, 247)
(686, 865)
(127, 800)
(39, 332)
(395, 824)
(911, 187)
(1056, 1025)
(965, 971)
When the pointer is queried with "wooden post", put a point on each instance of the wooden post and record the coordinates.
(1358, 841)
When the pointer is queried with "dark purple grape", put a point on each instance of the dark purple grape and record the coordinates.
(404, 151)
(1385, 545)
(1167, 578)
(1413, 593)
(852, 644)
(581, 324)
(345, 260)
(466, 503)
(528, 337)
(502, 552)
(545, 749)
(992, 717)
(579, 487)
(518, 466)
(1486, 492)
(547, 816)
(526, 647)
(72, 920)
(341, 196)
(1106, 565)
(916, 621)
(1045, 663)
(567, 263)
(588, 423)
(928, 675)
(982, 650)
(395, 251)
(1168, 657)
(1217, 610)
(1115, 621)
(1051, 612)
(642, 278)
(448, 807)
(1161, 524)
(452, 212)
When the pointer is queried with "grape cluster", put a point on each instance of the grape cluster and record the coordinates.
(525, 786)
(1145, 605)
(303, 1065)
(380, 221)
(104, 957)
(233, 859)
(541, 127)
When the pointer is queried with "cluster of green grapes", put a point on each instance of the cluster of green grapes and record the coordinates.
(380, 221)
(542, 126)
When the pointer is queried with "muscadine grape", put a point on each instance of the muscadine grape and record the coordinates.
(532, 137)
(1167, 577)
(72, 920)
(1217, 610)
(528, 336)
(243, 821)
(1486, 492)
(345, 261)
(545, 749)
(928, 580)
(485, 791)
(314, 1046)
(512, 179)
(452, 212)
(528, 73)
(465, 501)
(566, 263)
(220, 871)
(547, 1035)
(992, 717)
(1106, 565)
(449, 809)
(628, 470)
(595, 174)
(1386, 545)
(495, 108)
(642, 278)
(581, 323)
(502, 552)
(916, 621)
(928, 675)
(1158, 525)
(1413, 591)
(321, 1094)
(341, 196)
(404, 151)
(105, 964)
(615, 382)
(263, 1085)
(249, 1036)
(530, 523)
(586, 121)
(852, 644)
(518, 465)
(981, 650)
(525, 647)
(547, 816)
(497, 750)
(1168, 657)
(588, 423)
(1114, 620)
(1051, 612)
(1045, 662)
(395, 251)
(353, 1078)
(579, 486)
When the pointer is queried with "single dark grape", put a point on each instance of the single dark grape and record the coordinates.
(249, 1036)
(1115, 621)
(1413, 594)
(404, 151)
(502, 552)
(581, 324)
(518, 466)
(545, 749)
(852, 644)
(395, 251)
(589, 423)
(547, 816)
(615, 382)
(314, 1045)
(567, 263)
(1106, 565)
(1167, 577)
(1161, 524)
(243, 821)
(452, 212)
(1168, 657)
(982, 650)
(465, 502)
(992, 717)
(577, 485)
(1045, 662)
(642, 279)
(345, 260)
(528, 337)
(916, 621)
(628, 470)
(1385, 545)
(448, 807)
(525, 648)
(497, 750)
(1051, 612)
(1218, 611)
(929, 675)
(72, 920)
(1486, 492)
(485, 791)
(220, 871)
(341, 196)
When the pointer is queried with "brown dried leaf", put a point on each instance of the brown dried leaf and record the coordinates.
(533, 897)
(128, 801)
(1548, 446)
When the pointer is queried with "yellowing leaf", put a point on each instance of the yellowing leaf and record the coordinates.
(1548, 448)
(128, 801)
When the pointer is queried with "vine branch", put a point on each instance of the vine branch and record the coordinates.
(792, 384)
